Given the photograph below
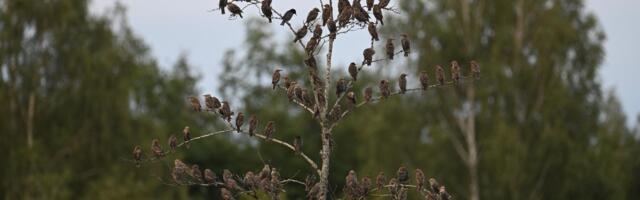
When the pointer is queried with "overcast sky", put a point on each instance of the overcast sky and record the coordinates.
(172, 27)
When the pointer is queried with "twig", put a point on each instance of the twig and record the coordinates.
(301, 104)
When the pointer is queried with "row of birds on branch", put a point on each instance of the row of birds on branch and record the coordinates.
(397, 186)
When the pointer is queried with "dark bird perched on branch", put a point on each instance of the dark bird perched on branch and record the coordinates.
(475, 69)
(253, 124)
(358, 12)
(300, 33)
(381, 180)
(311, 45)
(265, 172)
(368, 93)
(384, 88)
(266, 9)
(156, 149)
(137, 155)
(373, 32)
(250, 181)
(186, 135)
(420, 180)
(298, 93)
(353, 71)
(344, 17)
(239, 121)
(287, 16)
(327, 13)
(195, 104)
(173, 142)
(455, 72)
(234, 9)
(440, 74)
(313, 14)
(402, 83)
(275, 78)
(365, 185)
(368, 55)
(333, 29)
(196, 173)
(343, 5)
(221, 5)
(270, 129)
(287, 82)
(403, 175)
(209, 176)
(179, 171)
(369, 4)
(291, 91)
(406, 46)
(297, 144)
(351, 184)
(335, 113)
(229, 182)
(317, 32)
(384, 3)
(226, 195)
(225, 111)
(377, 12)
(434, 186)
(305, 97)
(211, 102)
(320, 96)
(424, 80)
(341, 86)
(351, 99)
(444, 195)
(390, 49)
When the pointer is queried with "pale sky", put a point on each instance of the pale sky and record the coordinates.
(172, 27)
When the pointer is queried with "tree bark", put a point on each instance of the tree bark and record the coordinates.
(325, 154)
(470, 136)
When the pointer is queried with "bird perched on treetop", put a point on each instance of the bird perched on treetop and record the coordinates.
(384, 88)
(270, 129)
(424, 80)
(234, 9)
(317, 32)
(433, 185)
(327, 13)
(311, 45)
(275, 78)
(209, 176)
(373, 32)
(351, 99)
(402, 83)
(368, 55)
(390, 49)
(455, 72)
(266, 9)
(344, 17)
(384, 3)
(137, 154)
(313, 14)
(226, 195)
(225, 111)
(377, 12)
(333, 29)
(239, 121)
(440, 74)
(358, 12)
(253, 124)
(443, 193)
(300, 33)
(341, 86)
(403, 175)
(221, 5)
(186, 135)
(368, 93)
(381, 180)
(353, 71)
(291, 90)
(287, 81)
(369, 4)
(211, 102)
(173, 142)
(298, 93)
(420, 180)
(406, 46)
(365, 185)
(156, 149)
(351, 182)
(287, 16)
(475, 69)
(343, 5)
(196, 173)
(195, 104)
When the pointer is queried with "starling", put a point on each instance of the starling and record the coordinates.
(341, 86)
(365, 185)
(179, 171)
(269, 130)
(433, 185)
(266, 9)
(373, 32)
(327, 13)
(369, 4)
(384, 3)
(317, 32)
(406, 46)
(368, 93)
(209, 176)
(368, 55)
(196, 173)
(380, 180)
(311, 45)
(301, 33)
(239, 121)
(333, 29)
(265, 172)
(297, 144)
(377, 12)
(291, 91)
(221, 5)
(351, 183)
(249, 180)
(343, 5)
(313, 14)
(353, 71)
(390, 49)
(475, 69)
(226, 194)
(420, 180)
(351, 97)
(211, 102)
(253, 123)
(234, 9)
(336, 113)
(424, 80)
(275, 78)
(137, 154)
(403, 83)
(287, 82)
(384, 88)
(276, 186)
(344, 17)
(440, 74)
(311, 63)
(358, 12)
(229, 182)
(455, 72)
(287, 16)
(298, 93)
(156, 149)
(305, 97)
(186, 135)
(320, 96)
(444, 195)
(195, 104)
(173, 142)
(403, 175)
(225, 111)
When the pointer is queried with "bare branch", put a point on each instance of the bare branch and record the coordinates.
(301, 104)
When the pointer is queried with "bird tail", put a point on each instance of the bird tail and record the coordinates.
(274, 86)
(269, 20)
(222, 10)
(381, 23)
(406, 54)
(240, 15)
(282, 24)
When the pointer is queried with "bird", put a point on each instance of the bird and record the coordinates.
(270, 129)
(311, 45)
(384, 3)
(381, 180)
(156, 149)
(221, 5)
(265, 172)
(368, 55)
(351, 182)
(424, 80)
(249, 181)
(209, 176)
(173, 142)
(225, 111)
(327, 14)
(433, 185)
(351, 97)
(229, 182)
(377, 13)
(444, 195)
(239, 121)
(317, 32)
(298, 93)
(336, 113)
(353, 71)
(341, 86)
(455, 72)
(275, 78)
(406, 46)
(320, 97)
(390, 49)
(266, 9)
(384, 88)
(287, 16)
(358, 12)
(365, 185)
(186, 135)
(137, 154)
(373, 32)
(420, 180)
(402, 175)
(226, 194)
(305, 97)
(234, 9)
(253, 123)
(333, 29)
(440, 74)
(196, 173)
(368, 93)
(179, 171)
(287, 81)
(291, 91)
(297, 144)
(402, 83)
(313, 14)
(475, 69)
(343, 5)
(344, 17)
(195, 103)
(300, 33)
(211, 102)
